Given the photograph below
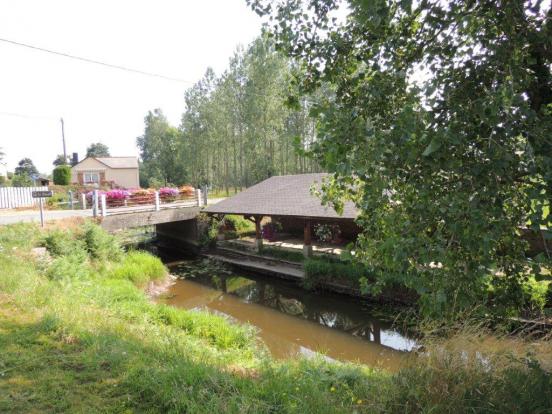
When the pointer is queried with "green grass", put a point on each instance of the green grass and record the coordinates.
(89, 341)
(139, 267)
(221, 192)
(277, 253)
(319, 270)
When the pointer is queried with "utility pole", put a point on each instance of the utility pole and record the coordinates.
(63, 138)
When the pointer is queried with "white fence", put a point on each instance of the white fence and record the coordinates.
(14, 197)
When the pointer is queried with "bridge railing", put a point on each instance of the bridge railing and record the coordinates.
(142, 200)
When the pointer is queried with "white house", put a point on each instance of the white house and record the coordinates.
(118, 171)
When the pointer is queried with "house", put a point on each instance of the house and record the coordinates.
(42, 180)
(289, 200)
(115, 171)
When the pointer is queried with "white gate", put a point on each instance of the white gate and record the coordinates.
(14, 197)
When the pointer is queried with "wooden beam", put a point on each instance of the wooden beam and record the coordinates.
(307, 239)
(258, 233)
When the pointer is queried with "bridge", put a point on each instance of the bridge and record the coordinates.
(174, 215)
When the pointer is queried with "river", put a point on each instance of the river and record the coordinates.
(291, 321)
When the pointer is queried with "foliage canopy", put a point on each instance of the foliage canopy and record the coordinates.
(437, 124)
(62, 175)
(97, 150)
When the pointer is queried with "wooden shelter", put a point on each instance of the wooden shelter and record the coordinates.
(286, 196)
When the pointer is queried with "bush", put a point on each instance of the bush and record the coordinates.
(139, 267)
(21, 180)
(239, 224)
(63, 243)
(323, 270)
(69, 267)
(99, 244)
(62, 175)
(54, 201)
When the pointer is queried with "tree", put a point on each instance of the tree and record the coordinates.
(97, 150)
(26, 167)
(21, 180)
(62, 175)
(159, 151)
(438, 128)
(60, 160)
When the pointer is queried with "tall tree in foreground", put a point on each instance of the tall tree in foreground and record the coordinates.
(439, 128)
(97, 150)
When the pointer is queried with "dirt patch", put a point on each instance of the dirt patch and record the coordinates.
(156, 288)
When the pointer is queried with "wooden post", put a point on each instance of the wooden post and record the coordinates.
(104, 205)
(258, 233)
(83, 201)
(40, 200)
(95, 203)
(157, 204)
(307, 247)
(199, 199)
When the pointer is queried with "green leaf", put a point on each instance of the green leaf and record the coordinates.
(433, 146)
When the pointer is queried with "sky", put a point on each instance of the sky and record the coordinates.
(176, 38)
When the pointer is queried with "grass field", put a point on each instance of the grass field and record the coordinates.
(78, 334)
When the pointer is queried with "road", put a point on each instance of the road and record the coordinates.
(11, 216)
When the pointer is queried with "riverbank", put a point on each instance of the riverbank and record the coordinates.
(78, 334)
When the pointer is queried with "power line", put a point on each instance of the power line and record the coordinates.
(97, 62)
(26, 115)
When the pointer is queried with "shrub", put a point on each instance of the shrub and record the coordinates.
(54, 201)
(63, 243)
(62, 175)
(73, 266)
(327, 232)
(139, 267)
(99, 244)
(187, 190)
(239, 224)
(21, 180)
(318, 270)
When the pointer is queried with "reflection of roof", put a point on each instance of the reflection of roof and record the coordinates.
(119, 162)
(286, 195)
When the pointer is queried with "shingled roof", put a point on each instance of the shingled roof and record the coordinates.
(284, 195)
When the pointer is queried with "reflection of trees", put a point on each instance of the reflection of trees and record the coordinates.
(327, 311)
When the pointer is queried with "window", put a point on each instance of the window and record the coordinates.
(91, 178)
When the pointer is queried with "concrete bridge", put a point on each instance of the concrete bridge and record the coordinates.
(174, 217)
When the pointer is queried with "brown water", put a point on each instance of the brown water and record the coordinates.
(291, 321)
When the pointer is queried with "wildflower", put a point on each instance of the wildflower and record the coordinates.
(359, 402)
(332, 389)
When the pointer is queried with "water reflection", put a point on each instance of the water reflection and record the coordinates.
(292, 321)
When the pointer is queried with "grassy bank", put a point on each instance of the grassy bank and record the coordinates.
(77, 334)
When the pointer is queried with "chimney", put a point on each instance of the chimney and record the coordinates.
(75, 159)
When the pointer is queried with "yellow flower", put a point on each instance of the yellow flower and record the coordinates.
(359, 402)
(332, 389)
